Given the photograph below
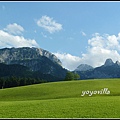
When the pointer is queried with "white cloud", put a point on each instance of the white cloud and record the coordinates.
(8, 40)
(68, 61)
(49, 24)
(83, 33)
(100, 48)
(14, 29)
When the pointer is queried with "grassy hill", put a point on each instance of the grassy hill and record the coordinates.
(62, 100)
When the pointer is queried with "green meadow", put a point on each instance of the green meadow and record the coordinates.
(62, 100)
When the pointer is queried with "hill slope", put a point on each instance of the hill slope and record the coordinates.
(57, 90)
(61, 100)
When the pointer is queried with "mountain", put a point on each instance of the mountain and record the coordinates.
(109, 62)
(36, 60)
(13, 70)
(83, 67)
(108, 70)
(20, 71)
(9, 55)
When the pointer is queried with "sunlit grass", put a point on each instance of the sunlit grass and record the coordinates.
(61, 100)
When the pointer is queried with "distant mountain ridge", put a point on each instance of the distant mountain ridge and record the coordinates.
(37, 62)
(108, 70)
(83, 67)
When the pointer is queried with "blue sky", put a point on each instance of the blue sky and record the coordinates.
(76, 32)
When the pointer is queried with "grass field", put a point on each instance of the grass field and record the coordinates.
(61, 100)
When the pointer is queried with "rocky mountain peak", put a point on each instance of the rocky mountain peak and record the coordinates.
(48, 55)
(108, 62)
(83, 67)
(25, 53)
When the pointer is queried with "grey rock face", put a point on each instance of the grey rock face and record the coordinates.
(8, 55)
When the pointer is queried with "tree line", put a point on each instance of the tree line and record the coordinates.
(18, 81)
(13, 81)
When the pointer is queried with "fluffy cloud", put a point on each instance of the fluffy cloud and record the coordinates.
(49, 24)
(100, 47)
(14, 29)
(68, 61)
(9, 40)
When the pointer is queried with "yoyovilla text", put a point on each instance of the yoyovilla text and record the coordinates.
(90, 93)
